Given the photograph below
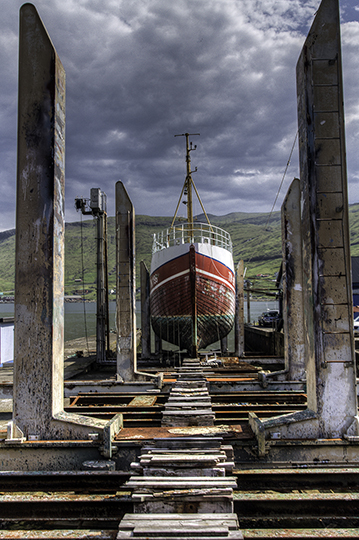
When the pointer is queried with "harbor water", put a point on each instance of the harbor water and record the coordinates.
(80, 318)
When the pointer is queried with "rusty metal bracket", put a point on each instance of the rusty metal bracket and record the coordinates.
(14, 433)
(258, 429)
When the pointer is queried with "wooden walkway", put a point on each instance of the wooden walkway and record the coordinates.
(181, 487)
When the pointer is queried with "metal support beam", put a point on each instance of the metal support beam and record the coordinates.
(101, 296)
(193, 281)
(145, 311)
(239, 319)
(224, 346)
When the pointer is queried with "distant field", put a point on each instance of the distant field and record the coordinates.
(254, 241)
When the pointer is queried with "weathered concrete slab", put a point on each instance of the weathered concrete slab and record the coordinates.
(293, 312)
(39, 276)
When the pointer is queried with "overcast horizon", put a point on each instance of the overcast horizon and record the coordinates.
(140, 72)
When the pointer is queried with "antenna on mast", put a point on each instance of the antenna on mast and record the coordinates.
(188, 182)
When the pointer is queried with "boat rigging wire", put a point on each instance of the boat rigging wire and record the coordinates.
(83, 287)
(276, 197)
(284, 175)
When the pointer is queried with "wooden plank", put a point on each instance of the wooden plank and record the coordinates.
(207, 442)
(193, 494)
(173, 458)
(143, 401)
(157, 451)
(191, 481)
(235, 535)
(180, 412)
(213, 517)
(178, 530)
(218, 472)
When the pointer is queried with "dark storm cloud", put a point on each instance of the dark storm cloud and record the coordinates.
(140, 72)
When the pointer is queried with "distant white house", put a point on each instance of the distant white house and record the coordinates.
(6, 340)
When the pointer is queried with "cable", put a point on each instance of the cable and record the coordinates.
(285, 172)
(275, 200)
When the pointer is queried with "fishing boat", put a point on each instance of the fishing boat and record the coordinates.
(192, 285)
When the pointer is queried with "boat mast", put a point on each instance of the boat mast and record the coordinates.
(188, 182)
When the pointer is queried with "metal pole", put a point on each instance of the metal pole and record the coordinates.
(239, 319)
(101, 307)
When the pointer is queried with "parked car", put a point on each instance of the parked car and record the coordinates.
(269, 318)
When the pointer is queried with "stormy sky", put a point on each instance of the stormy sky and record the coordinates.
(141, 71)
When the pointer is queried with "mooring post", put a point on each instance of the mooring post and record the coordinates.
(145, 311)
(293, 312)
(126, 285)
(239, 318)
(39, 275)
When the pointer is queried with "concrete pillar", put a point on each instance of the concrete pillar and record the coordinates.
(126, 285)
(293, 313)
(239, 319)
(327, 295)
(145, 311)
(39, 276)
(331, 376)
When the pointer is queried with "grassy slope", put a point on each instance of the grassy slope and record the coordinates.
(257, 243)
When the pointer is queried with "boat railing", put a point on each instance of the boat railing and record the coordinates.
(196, 233)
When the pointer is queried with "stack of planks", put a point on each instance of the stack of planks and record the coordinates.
(189, 403)
(180, 488)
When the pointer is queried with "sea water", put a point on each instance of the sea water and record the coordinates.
(80, 318)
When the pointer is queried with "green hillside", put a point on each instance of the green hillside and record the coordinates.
(255, 241)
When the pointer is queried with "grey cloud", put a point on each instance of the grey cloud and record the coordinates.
(140, 72)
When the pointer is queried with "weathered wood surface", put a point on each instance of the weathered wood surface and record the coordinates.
(183, 476)
(204, 526)
(189, 442)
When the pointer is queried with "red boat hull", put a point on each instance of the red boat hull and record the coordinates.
(192, 283)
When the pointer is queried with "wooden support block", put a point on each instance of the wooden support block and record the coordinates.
(165, 482)
(204, 398)
(204, 505)
(218, 472)
(231, 520)
(189, 442)
(152, 450)
(186, 412)
(178, 530)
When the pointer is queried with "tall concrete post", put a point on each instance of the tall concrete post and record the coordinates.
(293, 313)
(39, 275)
(239, 319)
(145, 311)
(126, 285)
(327, 296)
(329, 346)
